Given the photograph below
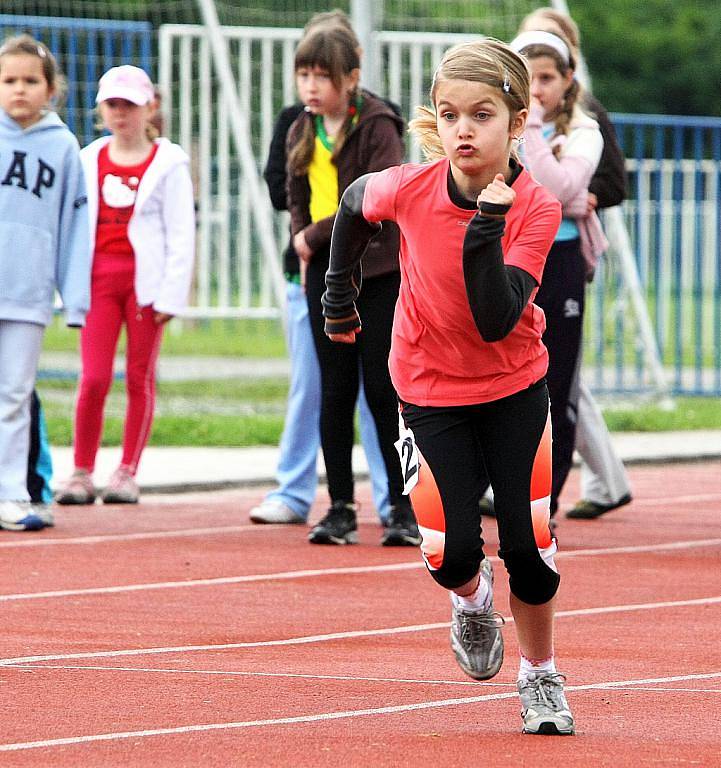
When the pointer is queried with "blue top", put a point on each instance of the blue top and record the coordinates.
(568, 229)
(44, 236)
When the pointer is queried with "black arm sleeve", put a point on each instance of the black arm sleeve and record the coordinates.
(274, 173)
(609, 182)
(351, 235)
(497, 293)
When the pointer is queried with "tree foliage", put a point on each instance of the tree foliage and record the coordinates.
(660, 56)
(656, 56)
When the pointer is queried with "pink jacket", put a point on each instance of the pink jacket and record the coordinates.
(568, 175)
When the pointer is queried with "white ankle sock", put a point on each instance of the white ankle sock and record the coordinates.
(480, 600)
(534, 666)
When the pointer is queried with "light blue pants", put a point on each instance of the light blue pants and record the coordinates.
(20, 345)
(297, 474)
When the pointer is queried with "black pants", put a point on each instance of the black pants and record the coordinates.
(561, 296)
(340, 368)
(461, 447)
(37, 482)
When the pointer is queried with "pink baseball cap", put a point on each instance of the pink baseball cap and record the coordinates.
(126, 82)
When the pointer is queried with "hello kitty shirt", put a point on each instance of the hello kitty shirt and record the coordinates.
(118, 188)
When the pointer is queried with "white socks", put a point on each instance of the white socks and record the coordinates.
(535, 666)
(480, 600)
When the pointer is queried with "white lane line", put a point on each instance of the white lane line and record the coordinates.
(314, 572)
(249, 578)
(113, 537)
(306, 639)
(324, 716)
(688, 499)
(638, 548)
(670, 690)
(298, 675)
(236, 673)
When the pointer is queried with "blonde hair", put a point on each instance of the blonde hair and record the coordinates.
(333, 18)
(562, 121)
(25, 45)
(551, 20)
(487, 61)
(330, 47)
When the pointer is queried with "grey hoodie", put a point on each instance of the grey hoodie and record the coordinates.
(43, 222)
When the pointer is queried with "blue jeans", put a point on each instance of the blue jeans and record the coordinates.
(297, 474)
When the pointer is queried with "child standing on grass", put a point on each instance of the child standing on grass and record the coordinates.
(43, 228)
(343, 133)
(467, 358)
(140, 198)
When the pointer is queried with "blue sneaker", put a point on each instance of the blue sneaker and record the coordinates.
(24, 516)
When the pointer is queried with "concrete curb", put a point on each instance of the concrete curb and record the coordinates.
(181, 470)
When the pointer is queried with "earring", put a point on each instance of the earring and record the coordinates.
(519, 139)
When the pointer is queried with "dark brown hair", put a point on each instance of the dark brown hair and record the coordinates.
(563, 119)
(334, 49)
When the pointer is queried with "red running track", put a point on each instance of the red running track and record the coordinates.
(177, 634)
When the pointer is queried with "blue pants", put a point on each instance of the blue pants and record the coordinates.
(297, 475)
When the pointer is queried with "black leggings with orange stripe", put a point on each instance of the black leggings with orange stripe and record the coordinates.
(506, 441)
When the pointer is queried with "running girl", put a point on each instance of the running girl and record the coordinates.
(44, 235)
(467, 358)
(142, 233)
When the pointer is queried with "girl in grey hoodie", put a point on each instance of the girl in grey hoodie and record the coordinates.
(44, 239)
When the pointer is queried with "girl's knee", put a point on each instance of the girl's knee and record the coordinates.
(530, 577)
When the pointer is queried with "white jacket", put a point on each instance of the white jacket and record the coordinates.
(161, 229)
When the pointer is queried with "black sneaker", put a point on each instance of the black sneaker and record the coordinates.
(487, 507)
(337, 527)
(590, 510)
(401, 529)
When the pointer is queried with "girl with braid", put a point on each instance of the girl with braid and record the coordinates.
(562, 149)
(604, 482)
(342, 133)
(467, 359)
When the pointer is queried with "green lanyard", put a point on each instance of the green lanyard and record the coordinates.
(353, 111)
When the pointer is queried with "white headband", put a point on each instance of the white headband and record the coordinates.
(536, 37)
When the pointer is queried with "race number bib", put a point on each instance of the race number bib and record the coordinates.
(410, 459)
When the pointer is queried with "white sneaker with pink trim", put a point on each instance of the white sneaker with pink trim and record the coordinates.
(77, 489)
(121, 488)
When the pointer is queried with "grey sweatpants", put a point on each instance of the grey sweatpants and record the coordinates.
(603, 476)
(20, 345)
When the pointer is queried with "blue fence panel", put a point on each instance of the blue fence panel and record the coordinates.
(673, 215)
(85, 48)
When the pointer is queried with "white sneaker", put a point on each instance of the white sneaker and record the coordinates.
(22, 516)
(121, 488)
(544, 708)
(476, 638)
(274, 511)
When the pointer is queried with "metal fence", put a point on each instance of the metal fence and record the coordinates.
(672, 214)
(85, 48)
(674, 222)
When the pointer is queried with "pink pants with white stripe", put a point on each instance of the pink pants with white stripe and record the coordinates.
(113, 304)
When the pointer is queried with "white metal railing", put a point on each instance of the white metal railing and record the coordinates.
(232, 279)
(667, 248)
